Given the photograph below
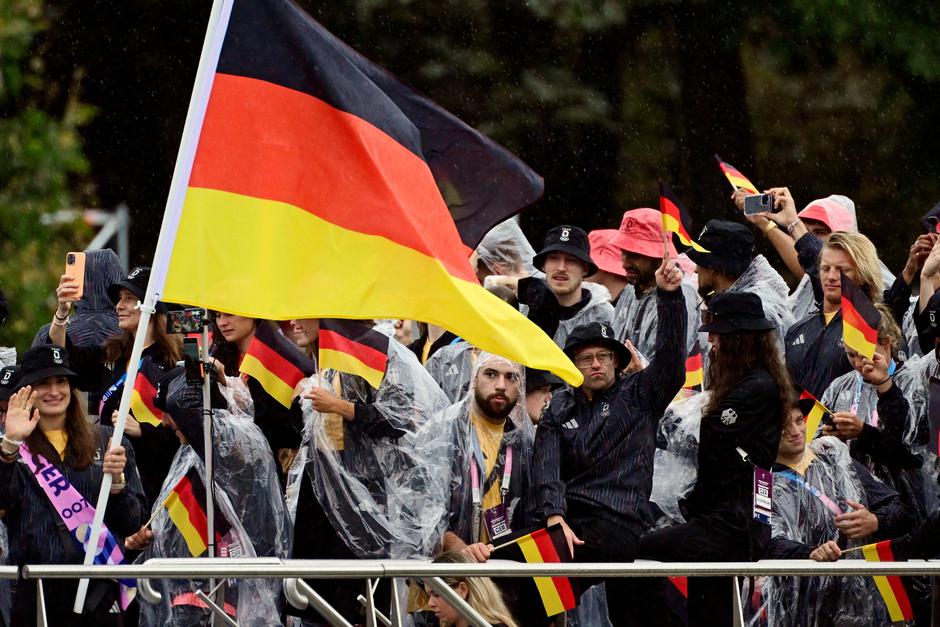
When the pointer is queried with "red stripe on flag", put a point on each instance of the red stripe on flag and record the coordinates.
(197, 516)
(693, 363)
(147, 393)
(267, 141)
(372, 358)
(852, 317)
(885, 554)
(544, 543)
(275, 363)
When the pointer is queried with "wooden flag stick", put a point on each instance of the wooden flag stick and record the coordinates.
(853, 549)
(505, 544)
(147, 524)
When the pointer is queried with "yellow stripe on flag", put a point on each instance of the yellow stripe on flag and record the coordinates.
(256, 231)
(671, 225)
(884, 588)
(344, 362)
(812, 421)
(180, 516)
(546, 587)
(272, 384)
(141, 412)
(857, 341)
(693, 378)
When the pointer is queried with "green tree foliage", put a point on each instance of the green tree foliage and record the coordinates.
(40, 167)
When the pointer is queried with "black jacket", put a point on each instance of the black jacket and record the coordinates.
(814, 352)
(748, 417)
(599, 453)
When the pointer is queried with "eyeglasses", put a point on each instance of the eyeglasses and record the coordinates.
(585, 361)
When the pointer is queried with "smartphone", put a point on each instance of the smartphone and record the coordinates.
(191, 348)
(185, 320)
(75, 268)
(827, 420)
(759, 203)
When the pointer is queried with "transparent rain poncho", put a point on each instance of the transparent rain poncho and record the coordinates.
(7, 356)
(379, 490)
(760, 278)
(801, 516)
(448, 437)
(908, 474)
(916, 384)
(505, 250)
(247, 495)
(909, 328)
(452, 367)
(675, 462)
(635, 318)
(598, 309)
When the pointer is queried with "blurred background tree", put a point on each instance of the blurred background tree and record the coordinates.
(602, 97)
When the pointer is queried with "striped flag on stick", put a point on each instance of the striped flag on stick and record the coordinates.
(693, 369)
(275, 363)
(676, 218)
(734, 176)
(860, 319)
(351, 346)
(891, 587)
(145, 390)
(548, 546)
(813, 412)
(186, 505)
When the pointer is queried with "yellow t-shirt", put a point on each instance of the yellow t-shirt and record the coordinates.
(425, 350)
(58, 438)
(490, 436)
(808, 457)
(829, 316)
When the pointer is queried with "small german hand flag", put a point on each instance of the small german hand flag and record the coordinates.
(693, 369)
(186, 506)
(145, 390)
(813, 411)
(860, 320)
(676, 218)
(891, 588)
(351, 346)
(550, 546)
(275, 363)
(734, 176)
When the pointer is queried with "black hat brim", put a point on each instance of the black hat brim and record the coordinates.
(114, 293)
(729, 265)
(539, 260)
(733, 324)
(623, 355)
(29, 378)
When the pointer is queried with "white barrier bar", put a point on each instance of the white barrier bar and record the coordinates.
(270, 568)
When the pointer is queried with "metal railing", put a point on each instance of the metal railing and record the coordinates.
(302, 594)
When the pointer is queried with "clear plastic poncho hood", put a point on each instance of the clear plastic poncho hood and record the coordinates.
(506, 251)
(378, 490)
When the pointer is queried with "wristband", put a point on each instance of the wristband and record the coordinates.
(56, 315)
(878, 385)
(792, 226)
(9, 447)
(770, 226)
(64, 322)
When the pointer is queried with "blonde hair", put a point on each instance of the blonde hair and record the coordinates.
(482, 595)
(888, 330)
(864, 257)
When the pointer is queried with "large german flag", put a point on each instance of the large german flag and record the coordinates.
(734, 176)
(322, 187)
(675, 218)
(350, 346)
(275, 363)
(186, 506)
(145, 390)
(860, 319)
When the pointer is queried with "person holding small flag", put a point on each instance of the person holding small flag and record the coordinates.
(824, 502)
(641, 244)
(593, 456)
(740, 431)
(102, 369)
(52, 462)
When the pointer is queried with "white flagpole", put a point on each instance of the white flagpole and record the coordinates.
(208, 61)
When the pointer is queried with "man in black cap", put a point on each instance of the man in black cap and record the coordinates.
(562, 300)
(730, 265)
(593, 458)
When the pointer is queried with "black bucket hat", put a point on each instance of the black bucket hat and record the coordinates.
(44, 361)
(567, 239)
(597, 334)
(9, 378)
(535, 379)
(730, 246)
(135, 283)
(730, 312)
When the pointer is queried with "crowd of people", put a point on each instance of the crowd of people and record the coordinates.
(457, 450)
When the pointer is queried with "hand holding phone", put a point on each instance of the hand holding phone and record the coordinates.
(759, 203)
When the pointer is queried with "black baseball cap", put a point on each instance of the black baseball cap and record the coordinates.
(567, 239)
(44, 361)
(730, 312)
(730, 247)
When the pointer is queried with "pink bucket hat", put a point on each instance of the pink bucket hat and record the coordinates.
(832, 213)
(641, 232)
(605, 254)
